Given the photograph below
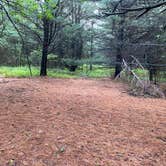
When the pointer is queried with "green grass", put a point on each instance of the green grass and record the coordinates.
(145, 73)
(22, 72)
(59, 73)
(141, 72)
(97, 72)
(17, 71)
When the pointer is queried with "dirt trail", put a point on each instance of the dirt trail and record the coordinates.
(79, 122)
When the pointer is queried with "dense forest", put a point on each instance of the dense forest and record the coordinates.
(71, 33)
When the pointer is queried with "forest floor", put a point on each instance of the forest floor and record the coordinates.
(79, 122)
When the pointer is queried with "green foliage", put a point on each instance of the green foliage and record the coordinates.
(52, 57)
(35, 57)
(72, 62)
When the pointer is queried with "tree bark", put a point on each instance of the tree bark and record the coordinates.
(43, 69)
(118, 66)
(91, 46)
(120, 40)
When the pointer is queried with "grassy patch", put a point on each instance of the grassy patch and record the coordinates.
(56, 73)
(17, 71)
(59, 73)
(161, 75)
(98, 73)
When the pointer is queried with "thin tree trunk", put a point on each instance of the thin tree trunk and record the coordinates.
(91, 47)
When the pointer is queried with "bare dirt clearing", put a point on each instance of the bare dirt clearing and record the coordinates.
(77, 122)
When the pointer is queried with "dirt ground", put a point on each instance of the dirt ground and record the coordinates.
(79, 122)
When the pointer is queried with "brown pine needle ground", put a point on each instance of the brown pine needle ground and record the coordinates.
(79, 122)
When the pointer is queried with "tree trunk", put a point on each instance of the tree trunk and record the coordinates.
(118, 67)
(119, 58)
(43, 70)
(120, 40)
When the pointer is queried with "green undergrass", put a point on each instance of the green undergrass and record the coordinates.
(97, 72)
(22, 72)
(17, 71)
(145, 73)
(141, 72)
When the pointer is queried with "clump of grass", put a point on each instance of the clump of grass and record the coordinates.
(17, 71)
(101, 72)
(59, 73)
(141, 72)
(97, 72)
